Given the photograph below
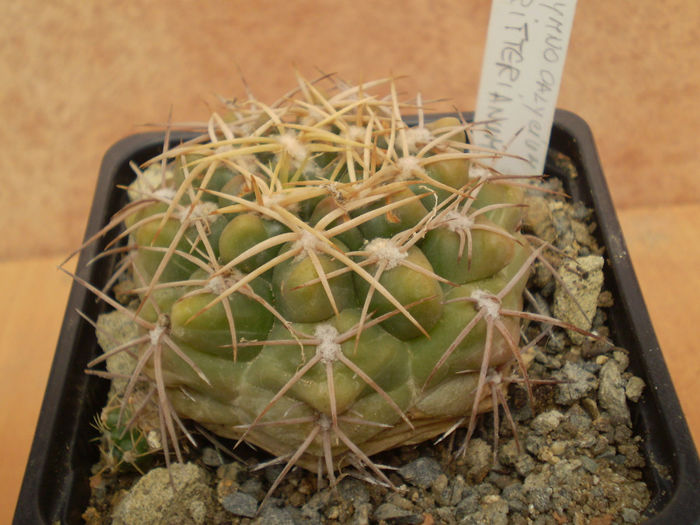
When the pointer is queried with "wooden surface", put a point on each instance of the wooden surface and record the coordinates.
(77, 76)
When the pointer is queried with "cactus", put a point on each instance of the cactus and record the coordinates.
(123, 445)
(318, 279)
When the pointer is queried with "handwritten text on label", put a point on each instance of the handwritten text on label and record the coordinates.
(520, 79)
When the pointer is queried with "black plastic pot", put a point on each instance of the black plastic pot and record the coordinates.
(55, 486)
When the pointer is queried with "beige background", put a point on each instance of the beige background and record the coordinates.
(75, 76)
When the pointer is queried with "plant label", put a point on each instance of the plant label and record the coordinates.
(520, 78)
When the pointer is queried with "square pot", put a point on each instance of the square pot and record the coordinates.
(56, 481)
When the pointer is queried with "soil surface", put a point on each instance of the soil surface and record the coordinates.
(571, 457)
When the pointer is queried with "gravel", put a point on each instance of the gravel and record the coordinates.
(422, 472)
(240, 504)
(611, 394)
(576, 294)
(634, 388)
(576, 383)
(152, 499)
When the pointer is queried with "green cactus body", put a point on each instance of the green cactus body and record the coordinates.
(326, 281)
(124, 445)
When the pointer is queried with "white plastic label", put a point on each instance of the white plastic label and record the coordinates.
(520, 79)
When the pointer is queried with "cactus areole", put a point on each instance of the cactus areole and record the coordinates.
(319, 279)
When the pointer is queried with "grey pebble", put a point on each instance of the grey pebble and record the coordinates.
(421, 472)
(495, 510)
(240, 504)
(469, 505)
(508, 453)
(398, 501)
(622, 359)
(441, 491)
(211, 457)
(513, 494)
(272, 472)
(611, 394)
(479, 459)
(272, 515)
(589, 464)
(253, 487)
(534, 443)
(353, 491)
(591, 408)
(576, 295)
(630, 515)
(362, 514)
(229, 471)
(634, 388)
(152, 499)
(392, 513)
(457, 486)
(525, 464)
(577, 421)
(541, 498)
(577, 383)
(546, 422)
(315, 504)
(538, 490)
(492, 510)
